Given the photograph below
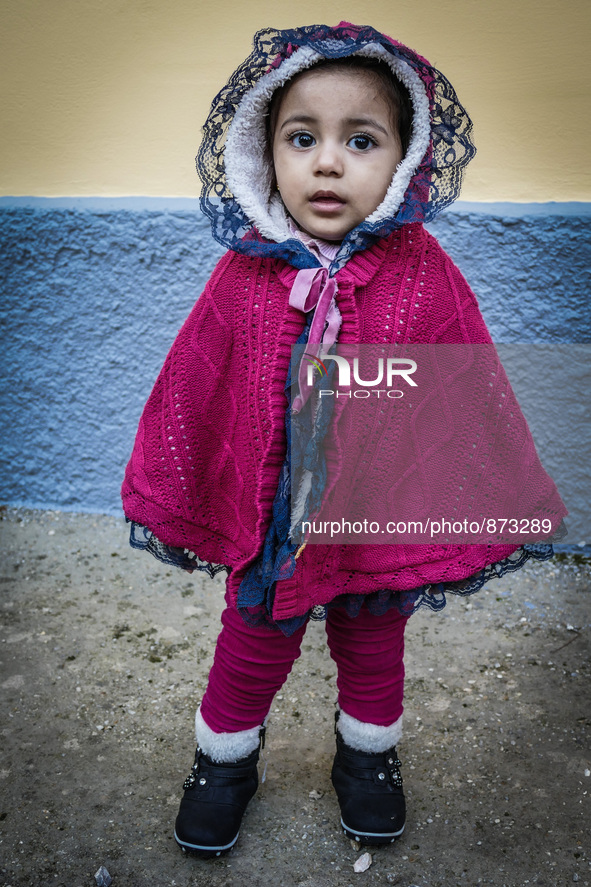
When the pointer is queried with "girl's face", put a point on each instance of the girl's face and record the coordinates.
(335, 150)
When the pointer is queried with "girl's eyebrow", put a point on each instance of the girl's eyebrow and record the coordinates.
(350, 121)
(298, 118)
(366, 121)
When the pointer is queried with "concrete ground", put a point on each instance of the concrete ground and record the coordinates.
(105, 652)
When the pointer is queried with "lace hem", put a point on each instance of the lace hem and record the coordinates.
(407, 602)
(142, 538)
(378, 602)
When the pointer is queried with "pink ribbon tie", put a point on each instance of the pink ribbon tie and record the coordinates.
(314, 289)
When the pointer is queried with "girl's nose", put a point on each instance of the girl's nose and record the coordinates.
(328, 159)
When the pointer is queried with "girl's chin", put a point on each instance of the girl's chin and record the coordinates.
(325, 232)
(328, 238)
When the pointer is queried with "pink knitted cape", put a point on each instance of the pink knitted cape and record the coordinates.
(211, 440)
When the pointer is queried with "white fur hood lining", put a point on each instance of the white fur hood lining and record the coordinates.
(247, 170)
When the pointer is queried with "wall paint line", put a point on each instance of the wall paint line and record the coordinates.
(184, 204)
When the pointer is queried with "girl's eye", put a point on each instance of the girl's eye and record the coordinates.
(302, 140)
(361, 142)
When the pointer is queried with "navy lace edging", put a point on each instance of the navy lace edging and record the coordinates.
(143, 539)
(432, 596)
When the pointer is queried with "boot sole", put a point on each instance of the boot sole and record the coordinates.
(371, 837)
(203, 851)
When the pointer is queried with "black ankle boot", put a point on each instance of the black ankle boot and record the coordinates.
(369, 789)
(215, 798)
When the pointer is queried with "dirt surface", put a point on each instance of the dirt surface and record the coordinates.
(105, 652)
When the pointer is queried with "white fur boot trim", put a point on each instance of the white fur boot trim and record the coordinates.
(368, 737)
(225, 748)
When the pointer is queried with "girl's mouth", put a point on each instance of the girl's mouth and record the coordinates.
(326, 201)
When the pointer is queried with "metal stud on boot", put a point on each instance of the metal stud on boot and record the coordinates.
(215, 798)
(370, 794)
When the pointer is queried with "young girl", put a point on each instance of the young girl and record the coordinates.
(322, 157)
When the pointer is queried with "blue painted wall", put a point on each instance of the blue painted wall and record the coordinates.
(95, 290)
(92, 299)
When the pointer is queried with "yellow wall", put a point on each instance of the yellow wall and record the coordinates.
(107, 97)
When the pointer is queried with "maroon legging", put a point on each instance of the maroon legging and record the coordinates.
(251, 664)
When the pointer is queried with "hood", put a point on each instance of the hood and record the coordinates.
(233, 163)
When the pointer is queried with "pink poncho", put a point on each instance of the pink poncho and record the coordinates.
(211, 441)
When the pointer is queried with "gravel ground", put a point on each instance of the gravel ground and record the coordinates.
(105, 653)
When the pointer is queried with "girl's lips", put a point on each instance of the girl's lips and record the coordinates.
(326, 202)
